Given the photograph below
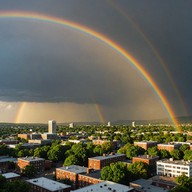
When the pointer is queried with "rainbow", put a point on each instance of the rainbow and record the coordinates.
(99, 112)
(102, 38)
(125, 14)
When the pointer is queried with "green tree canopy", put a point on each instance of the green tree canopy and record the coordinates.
(139, 170)
(184, 181)
(164, 154)
(153, 151)
(116, 172)
(134, 151)
(188, 155)
(71, 160)
(29, 171)
(176, 154)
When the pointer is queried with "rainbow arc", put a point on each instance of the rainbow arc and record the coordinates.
(110, 43)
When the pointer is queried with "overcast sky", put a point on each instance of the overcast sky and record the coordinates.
(62, 73)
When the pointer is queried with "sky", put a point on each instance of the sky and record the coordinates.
(50, 71)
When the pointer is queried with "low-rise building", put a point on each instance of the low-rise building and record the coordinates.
(170, 168)
(148, 159)
(9, 142)
(168, 146)
(70, 172)
(11, 176)
(38, 163)
(49, 136)
(47, 185)
(145, 144)
(40, 141)
(144, 185)
(89, 178)
(106, 186)
(101, 161)
(5, 163)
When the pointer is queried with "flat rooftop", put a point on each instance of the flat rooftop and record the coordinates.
(147, 157)
(105, 186)
(107, 156)
(74, 168)
(48, 184)
(31, 159)
(145, 142)
(176, 162)
(10, 175)
(169, 144)
(145, 185)
(8, 159)
(93, 174)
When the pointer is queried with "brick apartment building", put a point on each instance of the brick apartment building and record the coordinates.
(168, 146)
(38, 163)
(89, 178)
(145, 144)
(70, 172)
(101, 161)
(148, 159)
(43, 184)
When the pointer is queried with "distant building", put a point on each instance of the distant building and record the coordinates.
(109, 124)
(101, 161)
(71, 125)
(168, 146)
(47, 136)
(175, 168)
(9, 142)
(38, 163)
(106, 186)
(52, 126)
(47, 185)
(41, 141)
(30, 136)
(133, 124)
(145, 144)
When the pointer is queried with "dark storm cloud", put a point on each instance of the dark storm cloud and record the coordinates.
(44, 64)
(27, 76)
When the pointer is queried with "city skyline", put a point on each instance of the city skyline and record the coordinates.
(62, 69)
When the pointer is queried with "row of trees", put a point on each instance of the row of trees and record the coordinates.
(133, 151)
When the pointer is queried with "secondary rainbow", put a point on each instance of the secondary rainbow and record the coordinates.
(100, 113)
(113, 45)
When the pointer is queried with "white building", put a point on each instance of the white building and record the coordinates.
(133, 124)
(71, 125)
(109, 124)
(106, 186)
(52, 126)
(174, 168)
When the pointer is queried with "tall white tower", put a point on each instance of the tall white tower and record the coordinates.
(71, 125)
(133, 124)
(52, 126)
(109, 124)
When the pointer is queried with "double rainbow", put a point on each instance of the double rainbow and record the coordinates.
(113, 45)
